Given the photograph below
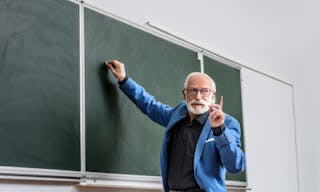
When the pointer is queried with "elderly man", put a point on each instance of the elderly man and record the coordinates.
(200, 143)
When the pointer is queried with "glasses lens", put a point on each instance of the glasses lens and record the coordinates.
(194, 91)
(204, 91)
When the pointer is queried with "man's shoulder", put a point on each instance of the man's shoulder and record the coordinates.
(230, 117)
(179, 110)
(230, 120)
(180, 106)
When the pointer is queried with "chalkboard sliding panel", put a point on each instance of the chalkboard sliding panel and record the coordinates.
(119, 138)
(228, 85)
(39, 87)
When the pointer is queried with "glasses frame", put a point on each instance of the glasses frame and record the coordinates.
(190, 89)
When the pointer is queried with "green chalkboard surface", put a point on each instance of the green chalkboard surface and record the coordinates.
(228, 85)
(40, 89)
(119, 138)
(39, 84)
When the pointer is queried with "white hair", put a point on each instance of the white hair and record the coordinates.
(213, 84)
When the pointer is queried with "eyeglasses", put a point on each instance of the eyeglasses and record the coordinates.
(194, 91)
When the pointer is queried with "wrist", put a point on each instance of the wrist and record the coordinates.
(217, 131)
(121, 82)
(121, 77)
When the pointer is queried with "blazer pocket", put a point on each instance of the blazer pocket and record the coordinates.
(211, 139)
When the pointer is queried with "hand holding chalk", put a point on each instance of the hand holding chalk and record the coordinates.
(117, 68)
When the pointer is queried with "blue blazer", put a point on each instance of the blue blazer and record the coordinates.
(213, 154)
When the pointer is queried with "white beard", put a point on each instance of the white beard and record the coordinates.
(198, 111)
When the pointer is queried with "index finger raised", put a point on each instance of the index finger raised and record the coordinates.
(221, 101)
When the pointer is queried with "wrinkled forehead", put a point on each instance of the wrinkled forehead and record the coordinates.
(199, 81)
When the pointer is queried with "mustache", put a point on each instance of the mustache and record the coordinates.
(198, 102)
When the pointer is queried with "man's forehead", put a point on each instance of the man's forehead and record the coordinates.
(199, 80)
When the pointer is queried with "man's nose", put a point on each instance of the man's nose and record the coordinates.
(198, 95)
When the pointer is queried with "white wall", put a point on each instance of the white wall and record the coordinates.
(280, 38)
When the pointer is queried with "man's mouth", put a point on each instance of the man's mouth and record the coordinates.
(197, 104)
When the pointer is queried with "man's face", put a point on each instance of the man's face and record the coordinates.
(199, 94)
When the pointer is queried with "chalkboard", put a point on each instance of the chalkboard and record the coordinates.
(119, 138)
(40, 91)
(39, 84)
(228, 85)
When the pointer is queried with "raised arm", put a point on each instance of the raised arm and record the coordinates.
(155, 110)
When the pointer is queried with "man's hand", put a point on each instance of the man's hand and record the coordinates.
(117, 68)
(217, 116)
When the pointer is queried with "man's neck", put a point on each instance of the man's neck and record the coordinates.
(192, 116)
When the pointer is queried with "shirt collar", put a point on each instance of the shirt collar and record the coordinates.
(201, 119)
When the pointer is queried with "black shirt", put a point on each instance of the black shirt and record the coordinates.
(184, 136)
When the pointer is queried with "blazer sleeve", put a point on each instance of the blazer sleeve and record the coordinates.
(155, 110)
(228, 144)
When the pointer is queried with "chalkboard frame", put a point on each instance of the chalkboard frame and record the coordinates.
(43, 173)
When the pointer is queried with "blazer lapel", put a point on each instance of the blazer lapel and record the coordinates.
(177, 117)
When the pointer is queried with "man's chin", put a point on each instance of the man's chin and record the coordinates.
(197, 111)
